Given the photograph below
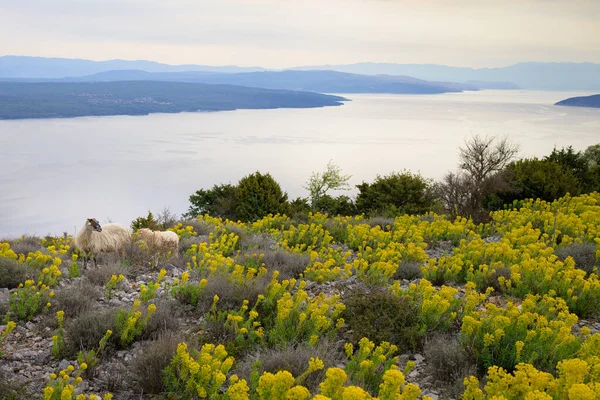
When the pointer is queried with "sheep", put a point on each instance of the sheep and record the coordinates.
(159, 242)
(93, 239)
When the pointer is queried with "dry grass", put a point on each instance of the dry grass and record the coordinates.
(200, 227)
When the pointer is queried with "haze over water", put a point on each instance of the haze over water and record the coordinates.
(54, 173)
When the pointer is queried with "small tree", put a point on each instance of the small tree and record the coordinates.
(481, 158)
(259, 195)
(220, 201)
(396, 193)
(320, 183)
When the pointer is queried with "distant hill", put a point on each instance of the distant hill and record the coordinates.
(41, 67)
(70, 99)
(529, 75)
(314, 81)
(583, 101)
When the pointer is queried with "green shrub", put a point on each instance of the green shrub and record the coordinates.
(259, 195)
(380, 316)
(148, 222)
(396, 193)
(533, 178)
(341, 205)
(220, 201)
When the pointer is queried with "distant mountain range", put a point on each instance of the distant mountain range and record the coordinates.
(312, 81)
(75, 99)
(41, 67)
(583, 101)
(530, 75)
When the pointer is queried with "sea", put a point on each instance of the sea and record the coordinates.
(55, 173)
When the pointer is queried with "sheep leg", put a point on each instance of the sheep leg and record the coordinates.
(95, 262)
(85, 259)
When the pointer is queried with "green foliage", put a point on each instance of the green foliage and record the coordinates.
(320, 183)
(130, 324)
(396, 193)
(534, 178)
(220, 201)
(258, 196)
(367, 365)
(148, 222)
(379, 315)
(341, 205)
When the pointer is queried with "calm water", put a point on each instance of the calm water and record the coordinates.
(54, 173)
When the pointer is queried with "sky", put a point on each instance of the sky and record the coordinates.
(285, 33)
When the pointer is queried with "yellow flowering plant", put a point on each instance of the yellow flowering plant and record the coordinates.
(131, 324)
(10, 326)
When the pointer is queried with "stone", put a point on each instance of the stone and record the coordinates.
(64, 364)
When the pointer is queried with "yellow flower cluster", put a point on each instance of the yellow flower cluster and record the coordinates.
(305, 238)
(62, 386)
(29, 299)
(577, 380)
(199, 375)
(183, 231)
(537, 331)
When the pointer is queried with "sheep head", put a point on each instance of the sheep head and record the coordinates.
(92, 223)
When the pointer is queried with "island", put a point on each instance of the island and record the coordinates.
(582, 101)
(20, 100)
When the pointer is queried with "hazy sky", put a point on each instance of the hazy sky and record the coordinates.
(282, 33)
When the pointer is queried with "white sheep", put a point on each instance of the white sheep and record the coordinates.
(159, 242)
(93, 239)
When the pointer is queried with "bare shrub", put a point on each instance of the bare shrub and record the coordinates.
(382, 222)
(231, 294)
(186, 243)
(77, 299)
(584, 255)
(146, 369)
(408, 270)
(257, 242)
(448, 362)
(101, 275)
(239, 231)
(293, 358)
(289, 265)
(201, 228)
(164, 319)
(26, 244)
(13, 273)
(85, 331)
(166, 218)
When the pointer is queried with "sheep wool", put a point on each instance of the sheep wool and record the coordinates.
(112, 238)
(158, 241)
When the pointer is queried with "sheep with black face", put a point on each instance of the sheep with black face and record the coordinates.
(94, 238)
